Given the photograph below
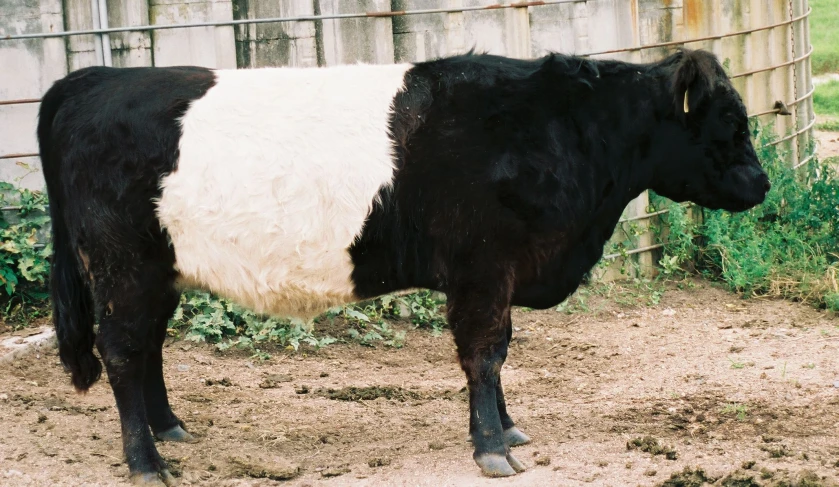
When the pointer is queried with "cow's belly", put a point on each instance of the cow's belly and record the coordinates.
(272, 188)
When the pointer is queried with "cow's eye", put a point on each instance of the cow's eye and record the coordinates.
(730, 119)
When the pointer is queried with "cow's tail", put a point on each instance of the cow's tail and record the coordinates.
(73, 311)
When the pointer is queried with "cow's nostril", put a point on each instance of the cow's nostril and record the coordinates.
(767, 185)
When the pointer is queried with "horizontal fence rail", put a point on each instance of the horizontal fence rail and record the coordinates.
(299, 18)
(143, 28)
(715, 37)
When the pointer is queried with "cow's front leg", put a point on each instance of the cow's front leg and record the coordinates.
(512, 435)
(477, 313)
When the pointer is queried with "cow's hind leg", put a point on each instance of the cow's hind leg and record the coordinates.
(164, 424)
(477, 308)
(131, 299)
(512, 435)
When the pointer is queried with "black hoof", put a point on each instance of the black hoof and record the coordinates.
(176, 433)
(154, 479)
(514, 437)
(517, 465)
(495, 465)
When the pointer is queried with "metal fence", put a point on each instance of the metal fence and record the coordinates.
(765, 45)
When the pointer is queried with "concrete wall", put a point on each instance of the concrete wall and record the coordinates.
(27, 68)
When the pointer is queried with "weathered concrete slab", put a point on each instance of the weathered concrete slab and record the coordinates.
(610, 26)
(212, 47)
(486, 31)
(129, 48)
(31, 341)
(81, 50)
(27, 69)
(657, 22)
(275, 44)
(347, 41)
(422, 37)
(559, 28)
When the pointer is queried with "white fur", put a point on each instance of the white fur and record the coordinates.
(278, 169)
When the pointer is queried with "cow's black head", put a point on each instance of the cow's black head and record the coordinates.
(707, 155)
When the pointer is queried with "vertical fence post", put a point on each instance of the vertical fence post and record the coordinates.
(518, 31)
(801, 77)
(348, 41)
(104, 39)
(97, 42)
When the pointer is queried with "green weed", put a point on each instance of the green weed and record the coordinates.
(739, 411)
(831, 125)
(23, 262)
(736, 365)
(787, 247)
(204, 317)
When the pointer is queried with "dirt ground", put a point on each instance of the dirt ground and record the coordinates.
(739, 388)
(828, 143)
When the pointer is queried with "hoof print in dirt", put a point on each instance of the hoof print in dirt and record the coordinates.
(335, 471)
(272, 468)
(650, 445)
(743, 479)
(436, 445)
(378, 462)
(272, 381)
(224, 382)
(353, 393)
(776, 451)
(687, 478)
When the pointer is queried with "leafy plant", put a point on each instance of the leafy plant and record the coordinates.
(367, 322)
(424, 308)
(208, 318)
(24, 265)
(786, 247)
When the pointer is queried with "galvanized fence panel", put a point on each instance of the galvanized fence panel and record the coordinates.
(764, 44)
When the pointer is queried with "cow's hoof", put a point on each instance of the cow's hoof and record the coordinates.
(176, 433)
(517, 465)
(154, 479)
(514, 437)
(495, 465)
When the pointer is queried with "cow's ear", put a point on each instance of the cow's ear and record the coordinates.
(692, 81)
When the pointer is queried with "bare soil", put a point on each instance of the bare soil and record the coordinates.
(741, 389)
(828, 143)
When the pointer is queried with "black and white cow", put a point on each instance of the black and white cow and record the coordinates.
(494, 180)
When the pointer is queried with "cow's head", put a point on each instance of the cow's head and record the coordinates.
(706, 153)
